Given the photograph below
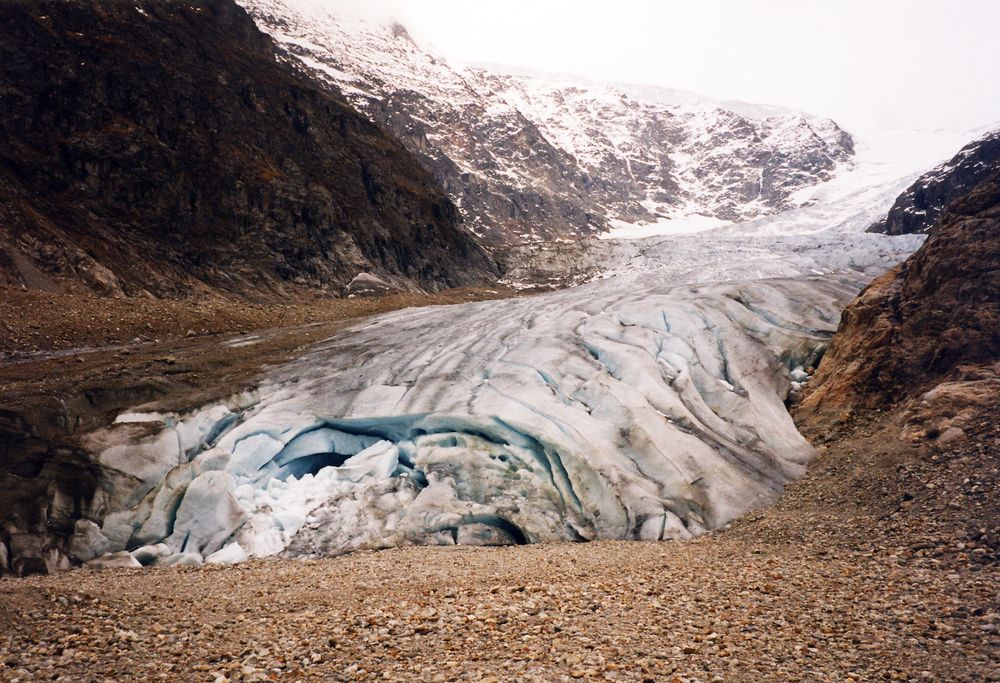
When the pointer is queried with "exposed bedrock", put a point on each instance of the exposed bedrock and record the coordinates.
(584, 414)
(161, 148)
(933, 319)
(922, 204)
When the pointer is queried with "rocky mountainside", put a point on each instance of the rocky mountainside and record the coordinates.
(163, 149)
(920, 206)
(674, 158)
(528, 159)
(905, 405)
(930, 329)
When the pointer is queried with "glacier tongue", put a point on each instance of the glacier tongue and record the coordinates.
(598, 412)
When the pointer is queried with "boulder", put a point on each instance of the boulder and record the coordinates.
(118, 560)
(118, 528)
(88, 542)
(180, 560)
(148, 554)
(231, 554)
(208, 515)
(366, 284)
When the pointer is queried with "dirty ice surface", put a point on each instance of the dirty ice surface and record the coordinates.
(588, 413)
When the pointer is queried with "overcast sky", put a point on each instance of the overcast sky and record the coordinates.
(867, 63)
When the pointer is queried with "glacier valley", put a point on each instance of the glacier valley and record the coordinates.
(648, 403)
(645, 401)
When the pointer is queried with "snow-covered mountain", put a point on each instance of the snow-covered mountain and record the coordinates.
(694, 158)
(529, 158)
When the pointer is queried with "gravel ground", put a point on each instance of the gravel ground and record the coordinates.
(713, 609)
(882, 564)
(33, 323)
(861, 572)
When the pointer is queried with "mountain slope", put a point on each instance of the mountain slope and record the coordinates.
(935, 318)
(139, 160)
(679, 159)
(528, 159)
(920, 206)
(905, 403)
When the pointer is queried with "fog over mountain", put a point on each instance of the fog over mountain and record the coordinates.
(892, 64)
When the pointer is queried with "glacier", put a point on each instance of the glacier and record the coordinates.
(648, 403)
(650, 413)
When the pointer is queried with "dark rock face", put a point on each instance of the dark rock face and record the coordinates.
(29, 566)
(47, 481)
(935, 318)
(920, 206)
(162, 148)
